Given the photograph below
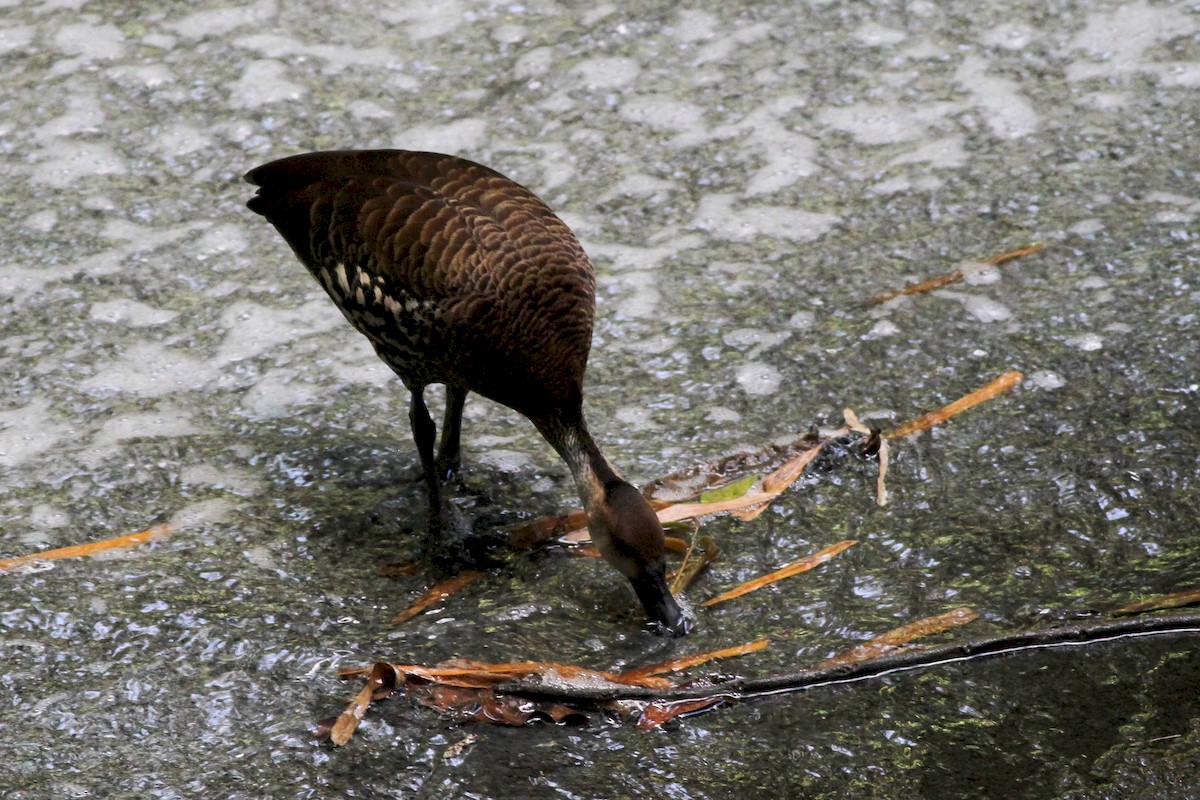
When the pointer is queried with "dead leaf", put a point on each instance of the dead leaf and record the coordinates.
(1161, 602)
(852, 421)
(91, 548)
(795, 568)
(686, 662)
(1020, 252)
(685, 511)
(480, 674)
(881, 492)
(464, 689)
(681, 511)
(323, 728)
(436, 593)
(1000, 385)
(659, 712)
(688, 483)
(694, 562)
(779, 480)
(381, 683)
(903, 635)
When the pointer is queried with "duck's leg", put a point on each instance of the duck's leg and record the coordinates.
(424, 434)
(449, 464)
(447, 527)
(449, 459)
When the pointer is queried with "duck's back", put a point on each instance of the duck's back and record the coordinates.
(454, 272)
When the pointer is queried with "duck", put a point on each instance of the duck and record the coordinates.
(459, 276)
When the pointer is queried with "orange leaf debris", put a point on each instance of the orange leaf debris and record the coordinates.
(1000, 385)
(383, 681)
(91, 548)
(660, 712)
(677, 664)
(682, 511)
(795, 568)
(776, 482)
(903, 635)
(436, 593)
(1161, 602)
(1020, 252)
(480, 674)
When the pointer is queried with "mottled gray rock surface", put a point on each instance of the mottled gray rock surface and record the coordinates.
(743, 174)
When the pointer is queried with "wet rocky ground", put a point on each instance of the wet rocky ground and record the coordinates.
(743, 176)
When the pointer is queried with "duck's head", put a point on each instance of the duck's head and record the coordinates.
(630, 537)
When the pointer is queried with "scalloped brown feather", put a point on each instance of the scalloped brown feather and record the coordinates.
(455, 273)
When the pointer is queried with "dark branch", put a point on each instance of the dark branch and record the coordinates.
(909, 659)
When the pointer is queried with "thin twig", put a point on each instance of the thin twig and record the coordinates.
(954, 276)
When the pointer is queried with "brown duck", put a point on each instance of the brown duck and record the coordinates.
(459, 276)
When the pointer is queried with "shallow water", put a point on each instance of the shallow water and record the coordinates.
(743, 178)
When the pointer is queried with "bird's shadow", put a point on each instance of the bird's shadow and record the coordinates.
(371, 501)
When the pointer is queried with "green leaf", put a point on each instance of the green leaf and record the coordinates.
(730, 491)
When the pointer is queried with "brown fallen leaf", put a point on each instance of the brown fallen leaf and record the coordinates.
(682, 511)
(795, 568)
(436, 593)
(530, 534)
(464, 689)
(1161, 602)
(484, 705)
(786, 474)
(953, 277)
(896, 637)
(679, 512)
(1020, 252)
(466, 673)
(322, 729)
(380, 684)
(921, 287)
(1000, 385)
(659, 712)
(686, 662)
(690, 482)
(91, 548)
(853, 422)
(875, 445)
(787, 460)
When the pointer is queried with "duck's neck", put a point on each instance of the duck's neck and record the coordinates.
(567, 433)
(621, 522)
